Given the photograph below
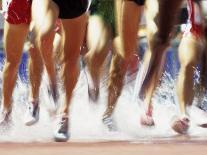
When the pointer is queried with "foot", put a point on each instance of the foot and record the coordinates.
(181, 125)
(61, 133)
(32, 113)
(5, 117)
(147, 119)
(109, 123)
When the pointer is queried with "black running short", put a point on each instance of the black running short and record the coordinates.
(71, 8)
(138, 2)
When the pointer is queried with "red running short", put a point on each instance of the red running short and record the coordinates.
(195, 21)
(17, 11)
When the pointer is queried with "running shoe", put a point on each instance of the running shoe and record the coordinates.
(32, 113)
(5, 117)
(109, 123)
(61, 133)
(181, 125)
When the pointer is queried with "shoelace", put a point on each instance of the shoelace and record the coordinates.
(107, 120)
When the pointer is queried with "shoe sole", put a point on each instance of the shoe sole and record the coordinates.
(56, 139)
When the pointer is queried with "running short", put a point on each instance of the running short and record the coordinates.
(195, 24)
(71, 8)
(17, 11)
(138, 2)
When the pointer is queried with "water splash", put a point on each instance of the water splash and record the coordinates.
(85, 117)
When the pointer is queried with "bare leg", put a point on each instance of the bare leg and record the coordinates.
(98, 45)
(74, 33)
(35, 71)
(13, 48)
(118, 9)
(189, 52)
(159, 39)
(43, 36)
(44, 27)
(122, 56)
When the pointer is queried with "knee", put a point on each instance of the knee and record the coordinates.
(188, 66)
(121, 53)
(12, 59)
(162, 39)
(159, 42)
(12, 64)
(34, 52)
(70, 66)
(119, 67)
(45, 38)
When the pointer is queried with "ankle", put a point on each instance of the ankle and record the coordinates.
(5, 107)
(34, 101)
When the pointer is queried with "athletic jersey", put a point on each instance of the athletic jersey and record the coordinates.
(195, 21)
(17, 11)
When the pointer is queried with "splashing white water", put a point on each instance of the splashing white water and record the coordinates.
(85, 117)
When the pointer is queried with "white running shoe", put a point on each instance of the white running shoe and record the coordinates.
(5, 117)
(32, 113)
(109, 123)
(61, 134)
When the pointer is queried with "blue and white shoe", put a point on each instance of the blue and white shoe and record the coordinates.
(109, 123)
(32, 113)
(61, 134)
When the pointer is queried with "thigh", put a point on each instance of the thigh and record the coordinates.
(167, 15)
(190, 50)
(74, 33)
(101, 35)
(14, 38)
(44, 15)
